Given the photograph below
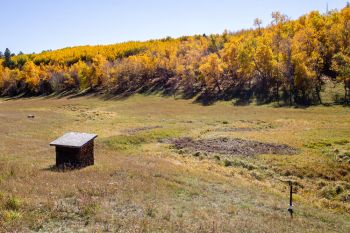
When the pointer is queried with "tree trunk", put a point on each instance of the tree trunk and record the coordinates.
(277, 95)
(318, 93)
(347, 92)
(318, 89)
(291, 93)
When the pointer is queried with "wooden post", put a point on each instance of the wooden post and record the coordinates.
(290, 209)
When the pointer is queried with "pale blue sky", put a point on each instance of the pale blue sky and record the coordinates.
(36, 25)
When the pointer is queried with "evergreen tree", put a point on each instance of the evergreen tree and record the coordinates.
(7, 55)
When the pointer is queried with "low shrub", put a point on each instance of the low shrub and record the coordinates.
(13, 203)
(11, 215)
(227, 163)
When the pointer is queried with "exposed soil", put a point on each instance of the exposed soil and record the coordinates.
(232, 146)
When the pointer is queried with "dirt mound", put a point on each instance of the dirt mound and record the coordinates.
(232, 146)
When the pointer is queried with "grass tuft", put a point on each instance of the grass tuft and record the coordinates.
(13, 203)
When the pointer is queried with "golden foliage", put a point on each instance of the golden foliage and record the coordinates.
(289, 56)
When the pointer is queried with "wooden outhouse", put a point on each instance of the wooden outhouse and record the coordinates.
(74, 150)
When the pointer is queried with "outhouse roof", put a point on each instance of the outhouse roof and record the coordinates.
(73, 139)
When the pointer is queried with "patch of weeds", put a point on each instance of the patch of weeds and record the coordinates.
(13, 203)
(257, 176)
(150, 212)
(11, 215)
(184, 193)
(330, 192)
(318, 145)
(227, 163)
(217, 157)
(89, 210)
(225, 122)
(246, 165)
(342, 142)
(264, 125)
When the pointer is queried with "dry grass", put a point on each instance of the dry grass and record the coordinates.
(141, 185)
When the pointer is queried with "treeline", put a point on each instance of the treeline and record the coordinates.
(287, 61)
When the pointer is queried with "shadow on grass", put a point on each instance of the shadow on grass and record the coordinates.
(204, 98)
(63, 168)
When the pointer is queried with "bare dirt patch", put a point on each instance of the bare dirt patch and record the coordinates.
(232, 146)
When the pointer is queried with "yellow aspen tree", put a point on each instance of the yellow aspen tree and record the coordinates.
(31, 76)
(212, 69)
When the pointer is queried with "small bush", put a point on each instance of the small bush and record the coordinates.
(227, 163)
(197, 154)
(11, 216)
(217, 157)
(328, 193)
(13, 203)
(331, 191)
(225, 122)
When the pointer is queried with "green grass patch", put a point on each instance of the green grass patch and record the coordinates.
(129, 142)
(318, 145)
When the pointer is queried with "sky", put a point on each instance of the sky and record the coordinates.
(36, 25)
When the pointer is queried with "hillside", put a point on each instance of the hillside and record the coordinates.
(288, 62)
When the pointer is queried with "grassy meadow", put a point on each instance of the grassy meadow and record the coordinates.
(141, 182)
